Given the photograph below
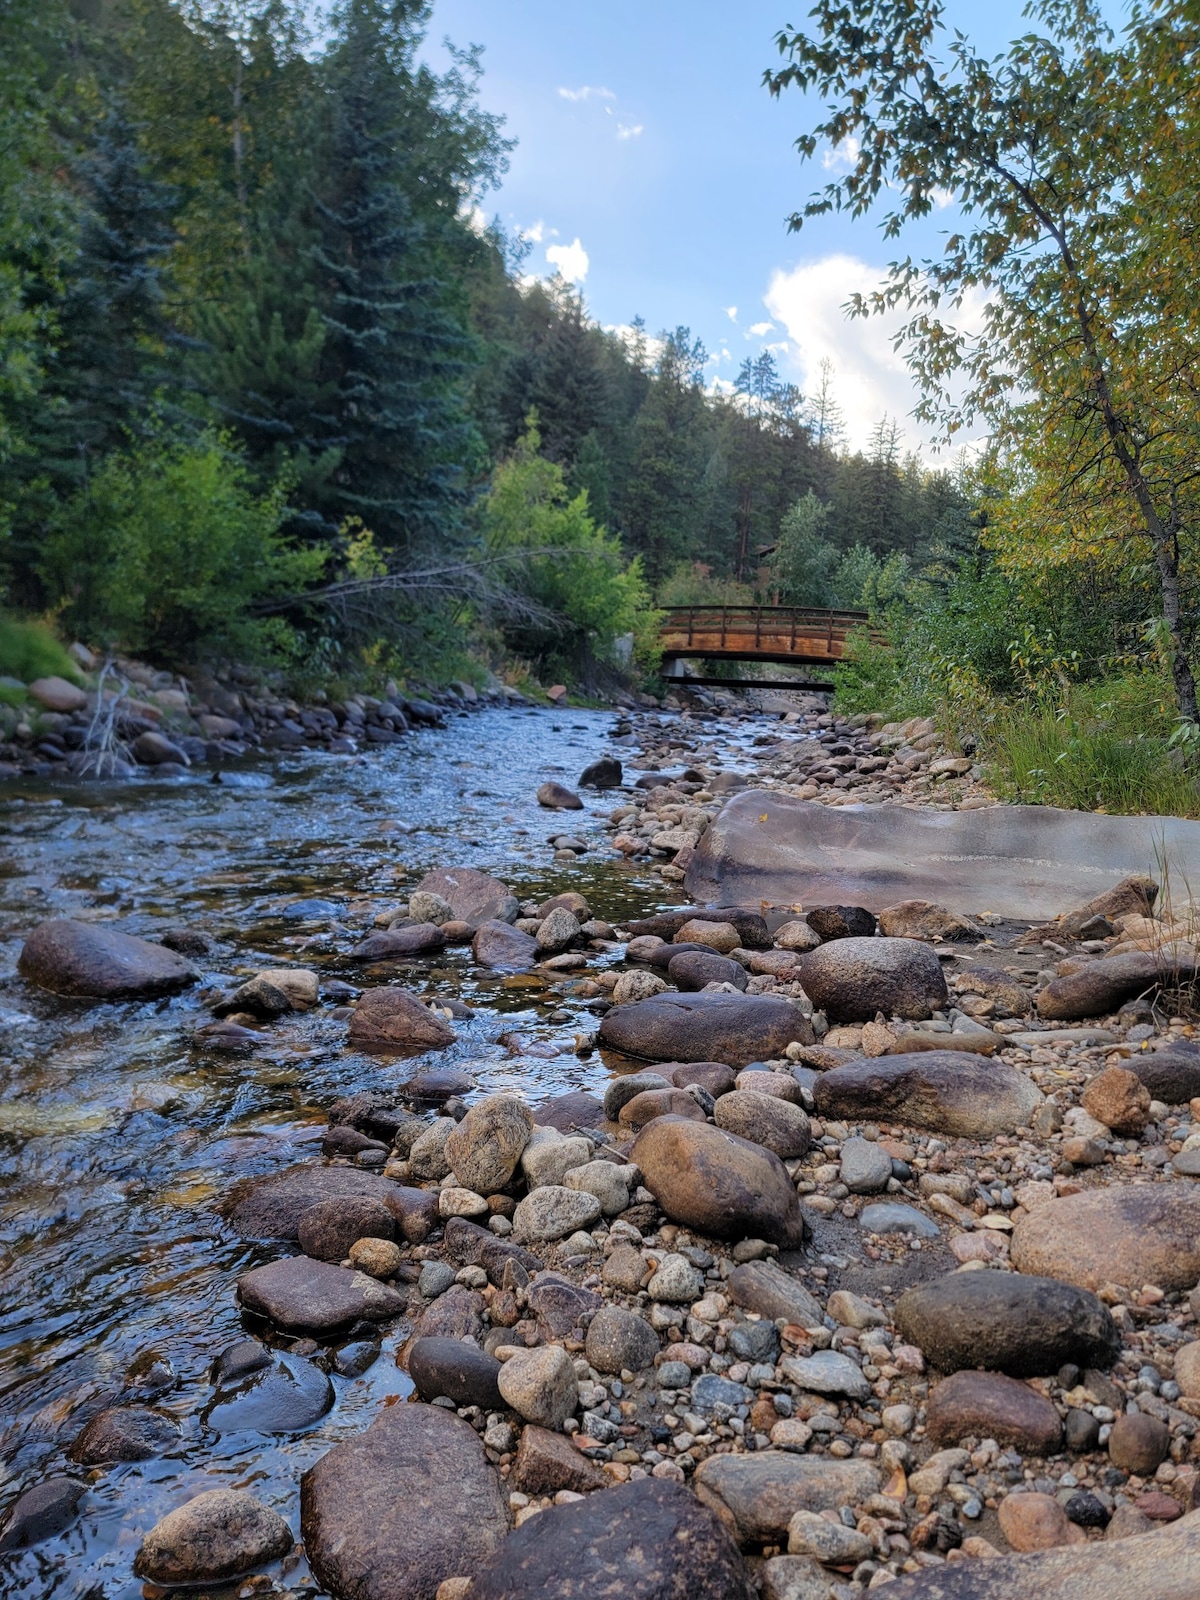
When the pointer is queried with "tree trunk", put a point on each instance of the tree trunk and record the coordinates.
(1166, 557)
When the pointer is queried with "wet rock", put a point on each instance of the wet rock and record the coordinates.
(841, 922)
(1171, 1075)
(1023, 1326)
(993, 1407)
(280, 1393)
(415, 1211)
(456, 1314)
(391, 1513)
(379, 1258)
(732, 1028)
(767, 1120)
(852, 979)
(485, 1147)
(620, 1340)
(463, 1372)
(757, 1495)
(566, 1112)
(723, 1185)
(391, 944)
(96, 961)
(557, 797)
(559, 931)
(889, 1216)
(314, 1297)
(150, 1373)
(692, 969)
(1143, 1233)
(559, 1305)
(767, 1289)
(271, 1208)
(48, 1508)
(1104, 986)
(651, 1103)
(603, 774)
(156, 750)
(622, 1090)
(547, 1462)
(1138, 1443)
(396, 1023)
(540, 1385)
(473, 897)
(124, 1433)
(552, 1212)
(946, 1091)
(328, 1229)
(921, 919)
(866, 1167)
(471, 1246)
(639, 1541)
(827, 1372)
(504, 949)
(434, 1085)
(1120, 1100)
(1036, 1522)
(219, 1535)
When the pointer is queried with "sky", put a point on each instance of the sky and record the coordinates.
(654, 170)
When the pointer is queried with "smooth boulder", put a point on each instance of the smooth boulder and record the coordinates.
(504, 949)
(395, 1511)
(485, 1147)
(765, 1119)
(1139, 1234)
(272, 1207)
(94, 961)
(315, 1297)
(986, 1405)
(714, 1181)
(393, 944)
(757, 1495)
(853, 979)
(945, 1091)
(219, 1535)
(463, 1372)
(1023, 1326)
(473, 896)
(1104, 986)
(394, 1022)
(732, 1028)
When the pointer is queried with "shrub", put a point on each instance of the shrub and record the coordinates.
(29, 650)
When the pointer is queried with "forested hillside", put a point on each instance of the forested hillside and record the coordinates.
(269, 385)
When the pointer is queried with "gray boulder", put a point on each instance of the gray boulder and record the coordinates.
(219, 1535)
(853, 979)
(945, 1091)
(95, 961)
(718, 1183)
(732, 1028)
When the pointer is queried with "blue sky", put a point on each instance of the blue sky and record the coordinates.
(654, 168)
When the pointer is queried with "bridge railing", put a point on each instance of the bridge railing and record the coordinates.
(737, 625)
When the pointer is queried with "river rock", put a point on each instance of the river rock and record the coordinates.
(605, 773)
(852, 979)
(721, 937)
(456, 1314)
(866, 1166)
(473, 897)
(463, 1372)
(993, 1407)
(425, 906)
(767, 1120)
(797, 937)
(608, 1181)
(651, 1103)
(1104, 986)
(811, 1534)
(1036, 1522)
(639, 1541)
(1120, 1100)
(692, 969)
(559, 931)
(504, 949)
(57, 694)
(714, 1077)
(631, 987)
(219, 1535)
(622, 1090)
(271, 1208)
(432, 1086)
(1138, 1443)
(274, 1393)
(921, 919)
(427, 1158)
(549, 1156)
(41, 1512)
(94, 960)
(841, 922)
(1142, 1233)
(890, 1216)
(540, 1385)
(945, 1091)
(751, 925)
(1023, 1326)
(756, 1496)
(1171, 1075)
(396, 1023)
(485, 1147)
(469, 1245)
(328, 1229)
(124, 1433)
(315, 1297)
(765, 1288)
(552, 1212)
(547, 1462)
(733, 1028)
(711, 1180)
(620, 1340)
(827, 1372)
(393, 1512)
(557, 797)
(391, 944)
(565, 1112)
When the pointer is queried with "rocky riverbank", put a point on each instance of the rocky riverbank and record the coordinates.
(868, 1259)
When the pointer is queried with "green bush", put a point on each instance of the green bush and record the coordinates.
(171, 546)
(28, 650)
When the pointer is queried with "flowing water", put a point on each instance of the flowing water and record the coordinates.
(118, 1135)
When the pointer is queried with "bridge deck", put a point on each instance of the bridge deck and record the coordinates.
(803, 636)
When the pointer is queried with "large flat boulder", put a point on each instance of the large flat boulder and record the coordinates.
(732, 1028)
(757, 1495)
(946, 1091)
(97, 962)
(271, 1208)
(315, 1297)
(1142, 1233)
(1024, 1326)
(473, 896)
(395, 1511)
(1160, 1565)
(1025, 862)
(718, 1183)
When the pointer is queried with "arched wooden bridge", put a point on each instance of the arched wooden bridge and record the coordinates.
(798, 636)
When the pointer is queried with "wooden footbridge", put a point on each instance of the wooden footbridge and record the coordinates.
(797, 636)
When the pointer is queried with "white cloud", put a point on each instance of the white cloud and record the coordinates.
(761, 329)
(731, 313)
(870, 377)
(629, 130)
(587, 92)
(839, 157)
(569, 259)
(535, 234)
(476, 219)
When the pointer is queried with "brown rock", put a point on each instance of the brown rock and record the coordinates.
(485, 1147)
(1133, 896)
(271, 1207)
(853, 979)
(1144, 1233)
(757, 1495)
(547, 1462)
(1104, 986)
(921, 919)
(394, 1022)
(56, 694)
(216, 1536)
(124, 1433)
(733, 1028)
(989, 1406)
(1037, 1522)
(765, 1119)
(94, 960)
(557, 797)
(1120, 1100)
(473, 897)
(504, 949)
(315, 1297)
(1138, 1443)
(767, 1289)
(391, 944)
(996, 984)
(712, 1076)
(651, 1103)
(708, 1179)
(947, 1091)
(328, 1229)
